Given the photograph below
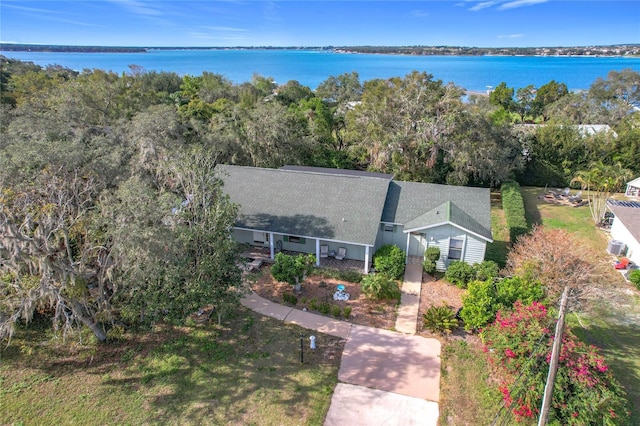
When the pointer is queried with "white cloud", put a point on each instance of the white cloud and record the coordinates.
(520, 3)
(501, 4)
(482, 5)
(52, 15)
(138, 7)
(511, 36)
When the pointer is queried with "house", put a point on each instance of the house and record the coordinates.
(633, 189)
(302, 209)
(626, 226)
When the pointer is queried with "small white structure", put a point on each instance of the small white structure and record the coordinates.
(633, 189)
(626, 226)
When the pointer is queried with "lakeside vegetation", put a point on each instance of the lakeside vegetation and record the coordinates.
(600, 50)
(112, 220)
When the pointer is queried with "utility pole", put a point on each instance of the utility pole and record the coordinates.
(553, 365)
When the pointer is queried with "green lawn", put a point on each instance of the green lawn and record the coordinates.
(468, 396)
(248, 373)
(498, 249)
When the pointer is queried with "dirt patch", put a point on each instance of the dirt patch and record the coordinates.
(436, 292)
(364, 311)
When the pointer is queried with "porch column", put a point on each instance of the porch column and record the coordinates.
(317, 251)
(271, 249)
(406, 258)
(366, 259)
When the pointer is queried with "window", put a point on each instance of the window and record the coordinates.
(388, 228)
(297, 240)
(260, 237)
(455, 248)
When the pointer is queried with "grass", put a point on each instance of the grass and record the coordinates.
(498, 249)
(467, 396)
(247, 372)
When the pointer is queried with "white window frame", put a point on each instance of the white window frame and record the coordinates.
(460, 249)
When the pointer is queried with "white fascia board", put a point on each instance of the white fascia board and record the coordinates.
(489, 240)
(304, 236)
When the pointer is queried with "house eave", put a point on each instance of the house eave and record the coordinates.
(435, 225)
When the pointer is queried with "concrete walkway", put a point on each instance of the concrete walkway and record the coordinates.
(287, 314)
(387, 378)
(409, 299)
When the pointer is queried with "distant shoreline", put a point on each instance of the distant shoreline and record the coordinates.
(621, 50)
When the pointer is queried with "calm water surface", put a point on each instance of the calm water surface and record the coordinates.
(310, 68)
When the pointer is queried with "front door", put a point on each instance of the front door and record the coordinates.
(417, 245)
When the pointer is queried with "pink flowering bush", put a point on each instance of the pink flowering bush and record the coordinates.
(585, 392)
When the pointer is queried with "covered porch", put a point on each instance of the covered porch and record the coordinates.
(264, 253)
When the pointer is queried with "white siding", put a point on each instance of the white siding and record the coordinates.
(473, 250)
(621, 233)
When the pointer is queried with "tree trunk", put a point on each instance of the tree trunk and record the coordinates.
(89, 322)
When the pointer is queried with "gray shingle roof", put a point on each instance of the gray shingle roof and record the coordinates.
(324, 205)
(629, 216)
(419, 205)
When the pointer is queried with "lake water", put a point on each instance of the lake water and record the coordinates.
(474, 73)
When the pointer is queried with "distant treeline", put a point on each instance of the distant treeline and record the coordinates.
(611, 50)
(10, 47)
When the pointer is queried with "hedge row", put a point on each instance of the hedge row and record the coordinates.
(513, 207)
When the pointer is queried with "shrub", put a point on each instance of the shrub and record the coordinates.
(313, 304)
(346, 312)
(484, 298)
(431, 256)
(380, 286)
(459, 273)
(585, 392)
(290, 298)
(335, 311)
(292, 269)
(440, 319)
(324, 308)
(486, 270)
(513, 207)
(634, 277)
(390, 260)
(350, 276)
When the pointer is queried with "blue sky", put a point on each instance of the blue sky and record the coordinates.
(487, 23)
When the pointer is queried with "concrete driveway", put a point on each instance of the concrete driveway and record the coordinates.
(356, 405)
(393, 362)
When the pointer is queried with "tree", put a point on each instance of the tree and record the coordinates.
(209, 254)
(502, 96)
(52, 257)
(341, 89)
(546, 95)
(524, 101)
(292, 269)
(403, 124)
(620, 86)
(601, 180)
(481, 151)
(554, 258)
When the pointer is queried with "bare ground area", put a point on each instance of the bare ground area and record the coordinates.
(364, 311)
(436, 292)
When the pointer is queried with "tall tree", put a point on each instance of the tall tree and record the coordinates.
(599, 182)
(341, 89)
(546, 95)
